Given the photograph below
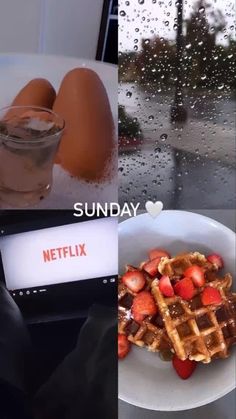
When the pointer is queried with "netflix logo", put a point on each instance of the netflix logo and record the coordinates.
(65, 252)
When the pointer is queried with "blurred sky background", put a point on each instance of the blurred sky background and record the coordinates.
(144, 18)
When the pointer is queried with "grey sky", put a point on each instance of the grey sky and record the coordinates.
(143, 18)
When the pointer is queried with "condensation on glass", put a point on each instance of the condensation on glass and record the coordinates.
(177, 102)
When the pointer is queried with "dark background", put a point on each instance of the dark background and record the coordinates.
(108, 38)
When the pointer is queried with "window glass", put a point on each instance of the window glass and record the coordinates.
(177, 102)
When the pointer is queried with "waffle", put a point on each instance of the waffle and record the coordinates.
(199, 332)
(150, 333)
(175, 267)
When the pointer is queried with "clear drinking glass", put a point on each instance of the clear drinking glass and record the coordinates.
(29, 139)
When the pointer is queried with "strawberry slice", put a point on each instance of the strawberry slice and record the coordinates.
(143, 305)
(216, 260)
(196, 274)
(185, 368)
(158, 253)
(185, 288)
(151, 267)
(211, 295)
(134, 280)
(123, 346)
(165, 286)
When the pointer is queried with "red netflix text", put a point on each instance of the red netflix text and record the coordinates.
(64, 252)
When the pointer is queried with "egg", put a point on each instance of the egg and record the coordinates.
(88, 141)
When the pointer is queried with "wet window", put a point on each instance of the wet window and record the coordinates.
(177, 102)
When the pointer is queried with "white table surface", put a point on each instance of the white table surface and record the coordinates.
(224, 408)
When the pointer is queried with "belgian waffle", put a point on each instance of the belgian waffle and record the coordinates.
(175, 267)
(196, 331)
(150, 333)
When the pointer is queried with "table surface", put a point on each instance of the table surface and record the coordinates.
(224, 408)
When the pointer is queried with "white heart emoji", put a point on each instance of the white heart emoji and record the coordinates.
(154, 208)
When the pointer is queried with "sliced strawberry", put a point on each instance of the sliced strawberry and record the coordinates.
(185, 288)
(210, 295)
(151, 267)
(134, 280)
(123, 346)
(143, 305)
(185, 368)
(216, 260)
(158, 253)
(166, 287)
(196, 274)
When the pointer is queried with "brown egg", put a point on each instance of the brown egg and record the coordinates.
(38, 92)
(88, 140)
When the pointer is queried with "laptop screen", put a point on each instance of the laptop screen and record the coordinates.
(33, 261)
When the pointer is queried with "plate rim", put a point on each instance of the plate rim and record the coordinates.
(184, 212)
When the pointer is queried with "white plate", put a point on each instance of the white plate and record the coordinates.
(145, 380)
(15, 72)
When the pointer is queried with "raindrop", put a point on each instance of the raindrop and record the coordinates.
(129, 94)
(163, 137)
(122, 13)
(141, 1)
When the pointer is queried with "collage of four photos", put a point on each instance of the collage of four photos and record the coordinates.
(117, 209)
